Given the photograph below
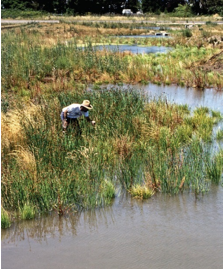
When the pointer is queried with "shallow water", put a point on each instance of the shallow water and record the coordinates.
(171, 232)
(135, 49)
(180, 95)
(144, 36)
(192, 97)
(162, 232)
(153, 28)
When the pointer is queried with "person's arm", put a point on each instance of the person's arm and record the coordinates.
(64, 121)
(65, 114)
(89, 120)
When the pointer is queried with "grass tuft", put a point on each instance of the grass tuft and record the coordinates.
(5, 219)
(27, 212)
(141, 192)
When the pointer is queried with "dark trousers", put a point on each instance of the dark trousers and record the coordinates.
(74, 123)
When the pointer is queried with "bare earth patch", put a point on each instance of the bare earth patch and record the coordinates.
(215, 63)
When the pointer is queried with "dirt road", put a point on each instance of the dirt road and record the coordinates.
(10, 21)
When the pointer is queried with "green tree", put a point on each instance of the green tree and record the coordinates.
(152, 6)
(16, 4)
(134, 5)
(183, 11)
(170, 5)
(207, 6)
(214, 6)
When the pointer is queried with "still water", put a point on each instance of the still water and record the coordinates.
(135, 49)
(177, 232)
(145, 36)
(192, 97)
(170, 232)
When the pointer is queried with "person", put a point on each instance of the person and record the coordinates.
(71, 113)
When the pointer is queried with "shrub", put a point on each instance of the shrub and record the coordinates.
(183, 11)
(187, 33)
(210, 23)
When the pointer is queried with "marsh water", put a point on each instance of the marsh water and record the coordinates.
(144, 36)
(170, 232)
(135, 49)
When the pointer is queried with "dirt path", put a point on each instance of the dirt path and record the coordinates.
(10, 21)
(4, 21)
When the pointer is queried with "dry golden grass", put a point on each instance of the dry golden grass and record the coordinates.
(123, 146)
(32, 115)
(141, 191)
(12, 132)
(25, 160)
(147, 17)
(71, 27)
(104, 77)
(51, 34)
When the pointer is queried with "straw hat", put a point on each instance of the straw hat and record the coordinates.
(86, 104)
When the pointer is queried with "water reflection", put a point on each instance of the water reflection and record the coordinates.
(40, 229)
(165, 232)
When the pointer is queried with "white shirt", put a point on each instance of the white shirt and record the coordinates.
(74, 111)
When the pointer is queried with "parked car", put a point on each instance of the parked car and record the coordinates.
(139, 12)
(127, 12)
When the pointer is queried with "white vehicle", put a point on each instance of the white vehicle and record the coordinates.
(139, 12)
(127, 12)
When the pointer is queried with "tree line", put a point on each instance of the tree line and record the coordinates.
(74, 7)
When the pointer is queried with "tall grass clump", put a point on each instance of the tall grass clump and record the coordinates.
(5, 219)
(215, 167)
(27, 212)
(187, 33)
(141, 192)
(219, 134)
(108, 191)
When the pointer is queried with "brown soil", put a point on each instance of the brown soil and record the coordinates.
(215, 63)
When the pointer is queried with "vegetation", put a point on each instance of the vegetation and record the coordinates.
(5, 219)
(30, 67)
(27, 212)
(144, 147)
(147, 147)
(107, 6)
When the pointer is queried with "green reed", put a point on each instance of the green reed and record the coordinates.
(219, 134)
(5, 219)
(215, 167)
(27, 212)
(26, 64)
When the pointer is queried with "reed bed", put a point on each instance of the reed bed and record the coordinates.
(28, 65)
(144, 147)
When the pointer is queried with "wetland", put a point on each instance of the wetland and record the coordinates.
(148, 175)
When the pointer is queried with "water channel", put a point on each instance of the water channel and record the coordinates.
(171, 232)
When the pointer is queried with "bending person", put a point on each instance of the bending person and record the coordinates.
(71, 113)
